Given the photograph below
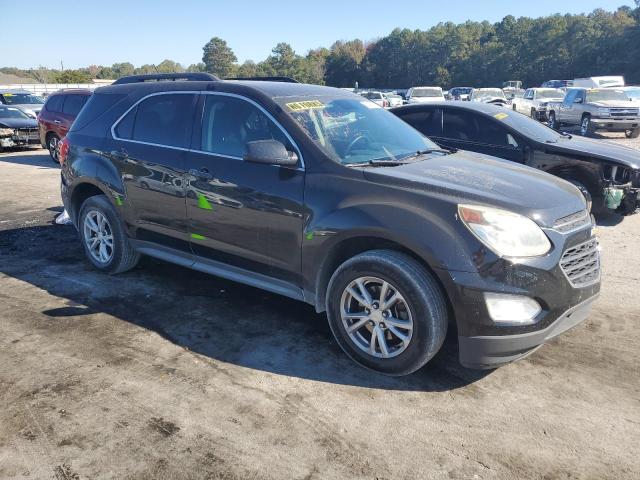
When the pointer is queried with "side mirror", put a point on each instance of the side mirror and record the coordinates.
(270, 152)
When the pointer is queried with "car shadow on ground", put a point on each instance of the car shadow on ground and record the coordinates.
(220, 319)
(35, 158)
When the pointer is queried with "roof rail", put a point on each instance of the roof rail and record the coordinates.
(267, 79)
(167, 77)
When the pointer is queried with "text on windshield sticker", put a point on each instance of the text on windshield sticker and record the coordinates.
(307, 105)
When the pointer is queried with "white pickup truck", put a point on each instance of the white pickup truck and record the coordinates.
(535, 100)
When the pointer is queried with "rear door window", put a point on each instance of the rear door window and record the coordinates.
(160, 119)
(73, 104)
(54, 103)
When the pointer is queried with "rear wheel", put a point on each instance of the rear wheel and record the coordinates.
(105, 242)
(552, 123)
(635, 133)
(534, 114)
(52, 146)
(386, 312)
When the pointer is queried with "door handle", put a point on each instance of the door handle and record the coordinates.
(202, 173)
(57, 122)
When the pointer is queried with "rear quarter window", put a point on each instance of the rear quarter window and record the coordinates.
(96, 105)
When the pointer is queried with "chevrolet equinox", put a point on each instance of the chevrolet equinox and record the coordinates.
(321, 195)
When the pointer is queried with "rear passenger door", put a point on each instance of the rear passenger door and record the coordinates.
(243, 214)
(480, 133)
(149, 147)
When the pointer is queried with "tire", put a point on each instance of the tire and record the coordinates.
(120, 256)
(420, 304)
(552, 123)
(52, 146)
(534, 114)
(635, 133)
(584, 190)
(586, 127)
(514, 108)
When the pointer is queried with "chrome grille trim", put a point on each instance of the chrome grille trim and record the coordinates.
(581, 264)
(573, 222)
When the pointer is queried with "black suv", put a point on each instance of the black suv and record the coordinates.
(318, 194)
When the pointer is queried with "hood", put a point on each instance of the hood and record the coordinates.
(425, 99)
(550, 100)
(480, 179)
(600, 149)
(614, 103)
(29, 107)
(18, 123)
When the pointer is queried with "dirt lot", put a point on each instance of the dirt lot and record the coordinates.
(168, 373)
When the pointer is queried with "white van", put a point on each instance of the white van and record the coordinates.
(612, 81)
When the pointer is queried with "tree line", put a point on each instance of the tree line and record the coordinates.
(467, 54)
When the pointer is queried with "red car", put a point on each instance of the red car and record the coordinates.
(57, 115)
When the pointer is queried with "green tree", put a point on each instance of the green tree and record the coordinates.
(71, 76)
(343, 65)
(218, 58)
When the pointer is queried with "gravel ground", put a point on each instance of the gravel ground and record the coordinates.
(168, 373)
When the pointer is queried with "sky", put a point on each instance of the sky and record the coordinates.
(139, 31)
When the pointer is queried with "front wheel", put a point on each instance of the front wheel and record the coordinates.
(635, 133)
(387, 312)
(552, 123)
(586, 127)
(105, 242)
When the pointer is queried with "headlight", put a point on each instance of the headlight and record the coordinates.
(506, 233)
(605, 112)
(4, 132)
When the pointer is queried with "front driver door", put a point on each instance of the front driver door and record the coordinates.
(243, 214)
(480, 133)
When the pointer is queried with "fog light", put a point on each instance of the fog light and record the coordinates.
(512, 309)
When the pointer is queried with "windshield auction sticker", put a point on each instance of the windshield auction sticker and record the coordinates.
(308, 105)
(501, 116)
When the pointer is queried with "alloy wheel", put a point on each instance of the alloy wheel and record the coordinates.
(53, 147)
(98, 236)
(376, 317)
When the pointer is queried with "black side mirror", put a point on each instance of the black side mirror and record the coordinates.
(270, 152)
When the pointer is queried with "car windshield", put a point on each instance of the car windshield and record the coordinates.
(555, 93)
(9, 112)
(426, 92)
(488, 93)
(353, 130)
(22, 99)
(605, 94)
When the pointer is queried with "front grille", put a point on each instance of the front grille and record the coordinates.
(572, 222)
(581, 264)
(624, 112)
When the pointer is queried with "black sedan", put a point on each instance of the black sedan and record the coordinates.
(607, 173)
(17, 128)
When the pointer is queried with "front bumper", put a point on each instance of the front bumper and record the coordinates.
(491, 351)
(20, 137)
(551, 280)
(615, 124)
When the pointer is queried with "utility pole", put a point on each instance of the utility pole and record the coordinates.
(61, 66)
